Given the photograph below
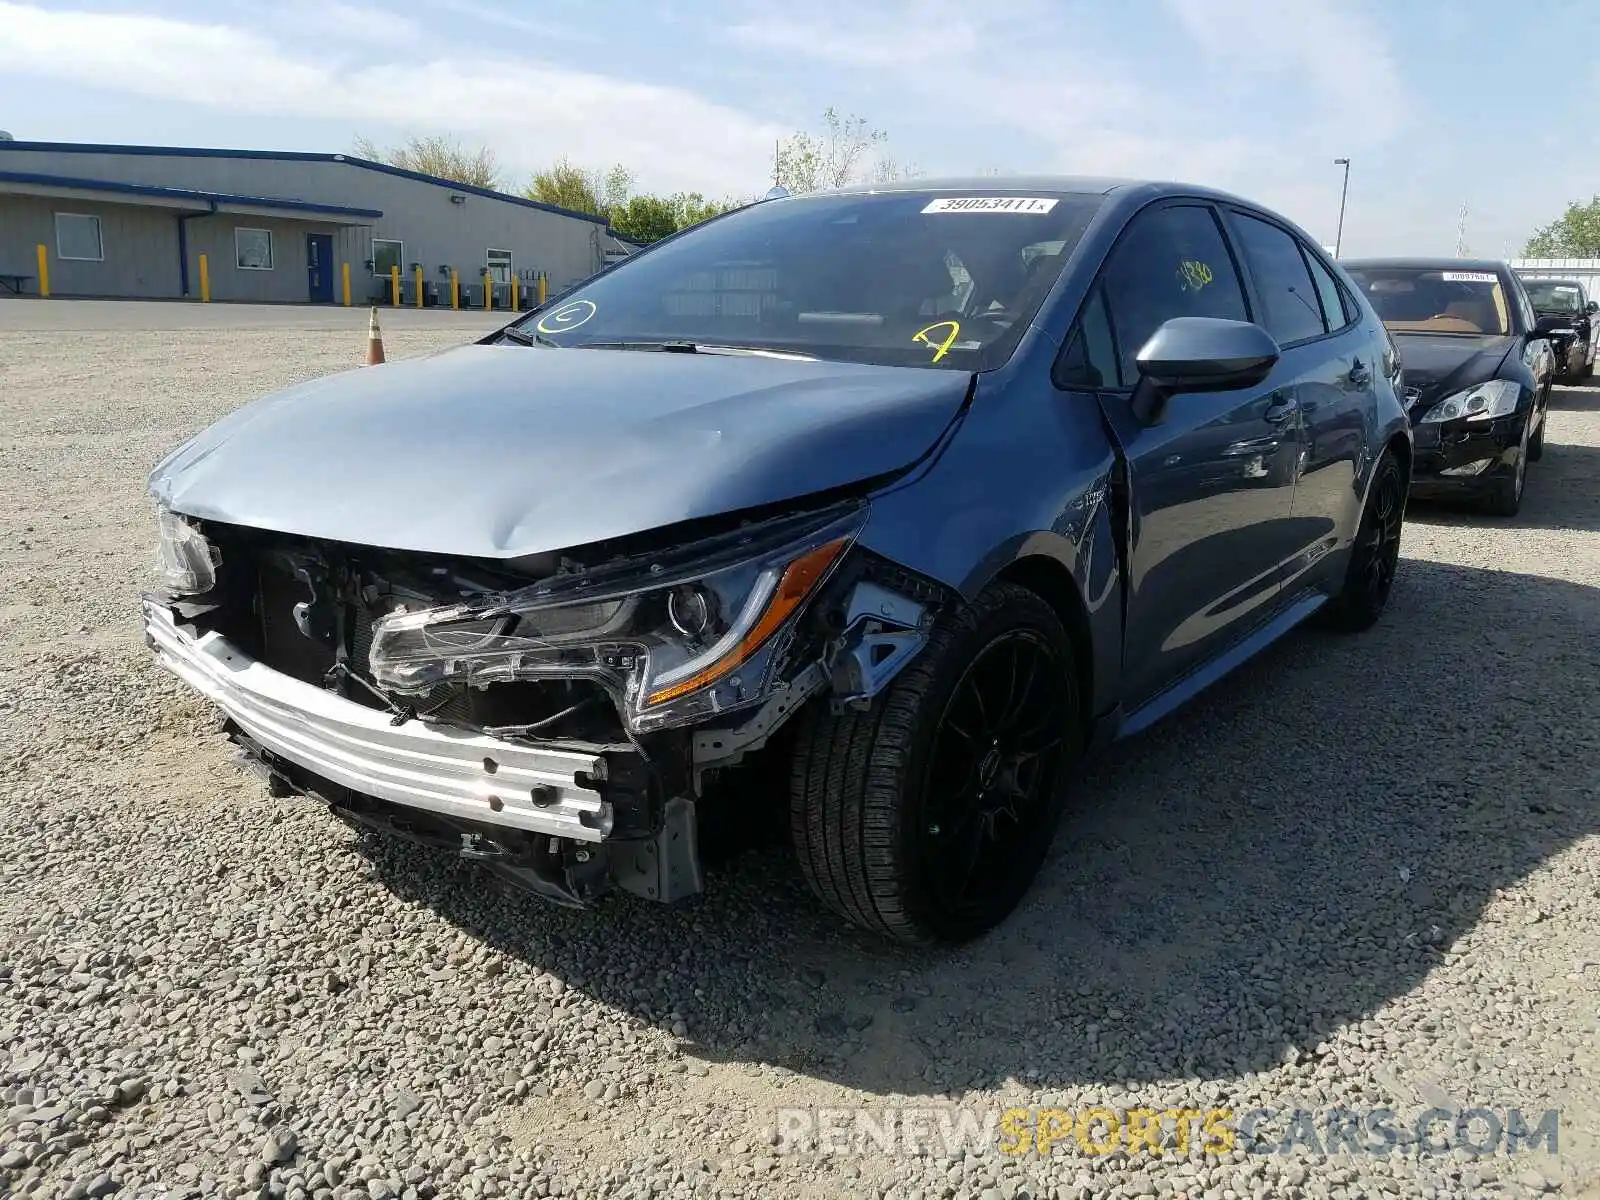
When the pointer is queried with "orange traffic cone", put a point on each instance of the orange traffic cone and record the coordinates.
(374, 342)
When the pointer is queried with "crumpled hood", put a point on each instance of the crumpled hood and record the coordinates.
(1439, 365)
(504, 451)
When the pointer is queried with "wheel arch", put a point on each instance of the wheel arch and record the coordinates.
(1400, 443)
(1049, 578)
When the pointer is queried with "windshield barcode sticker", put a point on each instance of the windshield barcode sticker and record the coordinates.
(1012, 204)
(1470, 277)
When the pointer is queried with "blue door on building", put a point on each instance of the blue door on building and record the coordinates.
(319, 267)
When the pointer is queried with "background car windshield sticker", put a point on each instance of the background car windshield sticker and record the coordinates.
(566, 318)
(1194, 275)
(1470, 277)
(925, 336)
(1004, 204)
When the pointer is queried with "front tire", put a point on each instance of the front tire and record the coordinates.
(1536, 442)
(926, 818)
(1506, 498)
(1375, 557)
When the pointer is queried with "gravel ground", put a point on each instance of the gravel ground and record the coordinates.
(1381, 889)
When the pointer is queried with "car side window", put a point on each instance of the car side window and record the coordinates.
(1333, 304)
(1293, 311)
(1529, 318)
(1171, 262)
(1090, 358)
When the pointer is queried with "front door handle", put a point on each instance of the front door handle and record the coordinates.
(1279, 411)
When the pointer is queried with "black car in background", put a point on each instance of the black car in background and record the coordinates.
(1568, 315)
(1476, 372)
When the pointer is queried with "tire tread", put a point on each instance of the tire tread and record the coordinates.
(849, 772)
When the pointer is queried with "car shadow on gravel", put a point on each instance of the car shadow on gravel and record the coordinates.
(1562, 492)
(1583, 397)
(1293, 851)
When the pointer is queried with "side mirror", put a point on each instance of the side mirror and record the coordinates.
(1200, 354)
(1591, 308)
(1543, 325)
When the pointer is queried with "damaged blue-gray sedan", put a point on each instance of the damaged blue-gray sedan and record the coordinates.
(912, 495)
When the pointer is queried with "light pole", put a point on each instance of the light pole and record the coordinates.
(1338, 238)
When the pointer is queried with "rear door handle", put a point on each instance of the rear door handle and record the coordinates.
(1280, 409)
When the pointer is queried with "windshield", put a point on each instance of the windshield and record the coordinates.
(1430, 300)
(1551, 297)
(927, 279)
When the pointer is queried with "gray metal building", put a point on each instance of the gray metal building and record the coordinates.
(133, 221)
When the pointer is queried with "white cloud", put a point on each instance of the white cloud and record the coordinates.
(1328, 46)
(1020, 68)
(531, 111)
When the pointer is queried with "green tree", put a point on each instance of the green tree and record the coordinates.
(806, 162)
(645, 218)
(568, 185)
(1575, 235)
(690, 208)
(846, 150)
(440, 156)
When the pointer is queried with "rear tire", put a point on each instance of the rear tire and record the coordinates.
(926, 818)
(1375, 557)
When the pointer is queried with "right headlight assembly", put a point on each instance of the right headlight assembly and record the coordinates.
(1481, 402)
(675, 639)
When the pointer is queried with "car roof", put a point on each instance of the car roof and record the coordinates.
(1430, 264)
(1559, 282)
(1081, 184)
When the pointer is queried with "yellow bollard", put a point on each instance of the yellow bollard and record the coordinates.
(513, 293)
(347, 285)
(44, 271)
(488, 291)
(455, 289)
(542, 286)
(419, 285)
(394, 285)
(205, 280)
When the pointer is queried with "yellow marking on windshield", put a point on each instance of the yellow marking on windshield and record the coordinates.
(943, 348)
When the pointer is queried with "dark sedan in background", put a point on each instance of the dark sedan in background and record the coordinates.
(1568, 315)
(1476, 372)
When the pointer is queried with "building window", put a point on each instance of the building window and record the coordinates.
(252, 249)
(386, 255)
(499, 264)
(78, 236)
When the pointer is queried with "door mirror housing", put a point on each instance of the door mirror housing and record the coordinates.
(1592, 307)
(1201, 354)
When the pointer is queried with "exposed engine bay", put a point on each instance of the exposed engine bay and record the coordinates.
(559, 718)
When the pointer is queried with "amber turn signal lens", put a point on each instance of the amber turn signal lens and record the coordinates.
(800, 579)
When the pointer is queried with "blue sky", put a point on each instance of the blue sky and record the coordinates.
(1437, 102)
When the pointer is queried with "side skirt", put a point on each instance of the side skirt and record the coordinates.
(1236, 655)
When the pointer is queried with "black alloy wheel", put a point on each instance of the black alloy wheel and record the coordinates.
(994, 764)
(1375, 556)
(1506, 498)
(926, 817)
(1536, 442)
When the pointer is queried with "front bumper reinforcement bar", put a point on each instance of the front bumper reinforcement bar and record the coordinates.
(439, 769)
